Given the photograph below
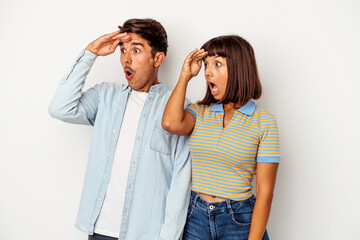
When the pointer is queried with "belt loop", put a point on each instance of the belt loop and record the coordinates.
(228, 204)
(195, 199)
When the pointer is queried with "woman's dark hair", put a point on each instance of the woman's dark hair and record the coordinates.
(149, 29)
(243, 82)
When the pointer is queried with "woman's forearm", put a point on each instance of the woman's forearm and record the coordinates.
(173, 118)
(260, 216)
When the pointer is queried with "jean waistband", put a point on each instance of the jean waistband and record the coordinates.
(219, 206)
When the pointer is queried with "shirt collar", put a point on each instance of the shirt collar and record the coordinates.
(247, 109)
(160, 88)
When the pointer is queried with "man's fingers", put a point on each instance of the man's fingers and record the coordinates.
(114, 45)
(123, 37)
(110, 35)
(120, 35)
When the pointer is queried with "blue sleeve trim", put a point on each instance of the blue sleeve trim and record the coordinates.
(261, 159)
(191, 111)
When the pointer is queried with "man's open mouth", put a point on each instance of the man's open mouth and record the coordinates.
(129, 73)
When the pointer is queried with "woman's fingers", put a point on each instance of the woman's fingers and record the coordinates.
(191, 54)
(196, 55)
(200, 54)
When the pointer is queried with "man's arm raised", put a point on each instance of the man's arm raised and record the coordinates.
(70, 104)
(107, 43)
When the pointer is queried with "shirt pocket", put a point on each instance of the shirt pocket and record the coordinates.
(161, 140)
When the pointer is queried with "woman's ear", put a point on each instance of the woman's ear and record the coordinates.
(159, 57)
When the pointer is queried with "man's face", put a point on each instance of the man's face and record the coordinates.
(138, 63)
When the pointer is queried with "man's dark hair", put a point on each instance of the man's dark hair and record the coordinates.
(243, 83)
(149, 29)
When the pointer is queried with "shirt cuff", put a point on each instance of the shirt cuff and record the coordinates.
(191, 111)
(261, 159)
(87, 57)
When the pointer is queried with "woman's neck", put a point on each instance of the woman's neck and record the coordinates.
(229, 106)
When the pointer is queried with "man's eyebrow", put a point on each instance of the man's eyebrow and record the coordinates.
(137, 44)
(133, 44)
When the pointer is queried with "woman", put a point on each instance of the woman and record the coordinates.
(231, 139)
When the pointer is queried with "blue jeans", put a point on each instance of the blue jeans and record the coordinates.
(227, 220)
(100, 237)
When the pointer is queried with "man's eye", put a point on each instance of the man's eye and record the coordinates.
(136, 50)
(123, 50)
(205, 65)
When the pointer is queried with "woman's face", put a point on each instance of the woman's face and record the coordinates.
(216, 75)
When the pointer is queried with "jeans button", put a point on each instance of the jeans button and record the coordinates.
(211, 207)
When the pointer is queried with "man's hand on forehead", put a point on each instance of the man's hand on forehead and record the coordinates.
(123, 37)
(107, 43)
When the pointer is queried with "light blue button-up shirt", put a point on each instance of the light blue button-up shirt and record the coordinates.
(158, 183)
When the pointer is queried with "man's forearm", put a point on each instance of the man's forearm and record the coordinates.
(65, 104)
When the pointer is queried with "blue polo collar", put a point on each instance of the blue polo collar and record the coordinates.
(247, 109)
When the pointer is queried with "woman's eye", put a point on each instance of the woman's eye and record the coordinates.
(218, 64)
(123, 50)
(205, 65)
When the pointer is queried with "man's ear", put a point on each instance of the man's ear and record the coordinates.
(159, 57)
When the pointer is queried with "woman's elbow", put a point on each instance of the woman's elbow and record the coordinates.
(166, 124)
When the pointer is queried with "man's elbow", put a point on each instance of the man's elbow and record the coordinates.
(59, 112)
(53, 110)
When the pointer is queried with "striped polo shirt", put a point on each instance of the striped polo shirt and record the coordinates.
(224, 158)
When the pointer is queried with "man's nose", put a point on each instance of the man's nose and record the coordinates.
(127, 58)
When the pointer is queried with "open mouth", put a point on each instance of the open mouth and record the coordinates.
(213, 88)
(129, 73)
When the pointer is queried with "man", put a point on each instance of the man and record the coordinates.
(138, 175)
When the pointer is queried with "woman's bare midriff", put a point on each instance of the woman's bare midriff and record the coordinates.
(210, 198)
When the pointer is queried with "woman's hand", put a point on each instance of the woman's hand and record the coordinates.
(107, 43)
(192, 64)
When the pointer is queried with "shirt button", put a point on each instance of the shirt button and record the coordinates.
(114, 131)
(109, 154)
(129, 186)
(120, 108)
(133, 162)
(211, 207)
(144, 115)
(138, 138)
(105, 176)
(99, 199)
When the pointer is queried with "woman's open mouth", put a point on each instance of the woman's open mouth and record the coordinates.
(213, 88)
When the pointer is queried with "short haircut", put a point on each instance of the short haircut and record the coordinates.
(243, 83)
(149, 29)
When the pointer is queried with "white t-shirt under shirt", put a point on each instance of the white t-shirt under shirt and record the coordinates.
(109, 220)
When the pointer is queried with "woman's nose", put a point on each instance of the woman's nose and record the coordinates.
(208, 72)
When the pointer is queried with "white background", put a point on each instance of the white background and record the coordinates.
(308, 55)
